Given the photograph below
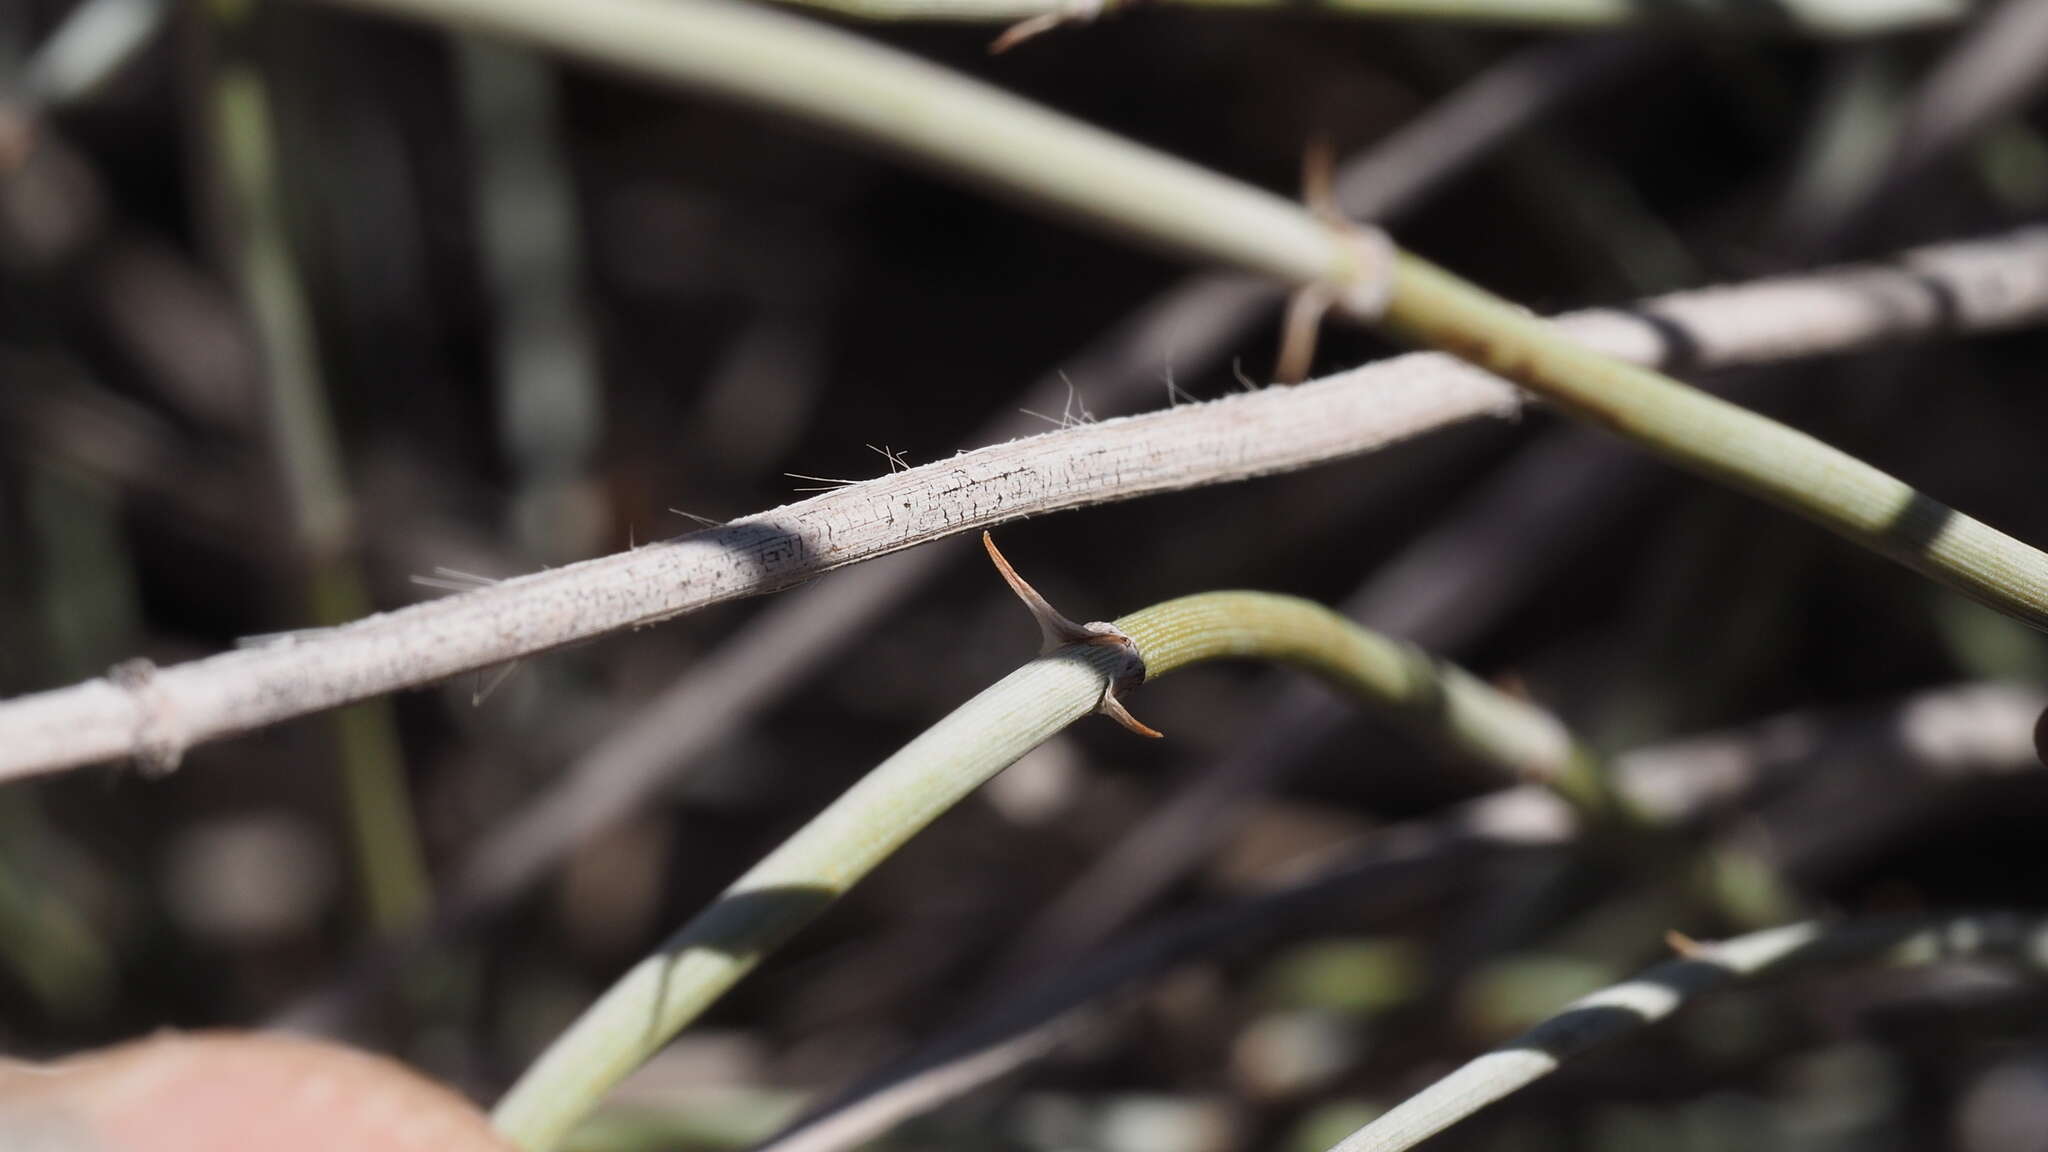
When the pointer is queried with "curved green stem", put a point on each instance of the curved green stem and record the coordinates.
(1592, 1020)
(1723, 441)
(860, 829)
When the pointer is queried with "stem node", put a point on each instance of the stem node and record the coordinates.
(1059, 632)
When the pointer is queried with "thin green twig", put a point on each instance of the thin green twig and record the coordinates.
(1723, 441)
(388, 856)
(871, 820)
(1662, 990)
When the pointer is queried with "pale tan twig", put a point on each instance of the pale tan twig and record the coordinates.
(1992, 283)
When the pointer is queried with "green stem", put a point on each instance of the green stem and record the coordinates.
(388, 855)
(1592, 1020)
(1723, 441)
(796, 881)
(61, 958)
(1009, 144)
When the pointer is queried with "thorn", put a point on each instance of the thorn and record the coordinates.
(1024, 30)
(1683, 945)
(1058, 632)
(1115, 710)
(1056, 629)
(1306, 308)
(1305, 311)
(1362, 291)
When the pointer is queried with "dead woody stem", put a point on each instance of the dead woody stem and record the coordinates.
(1973, 286)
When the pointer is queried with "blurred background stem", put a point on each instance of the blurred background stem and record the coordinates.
(251, 229)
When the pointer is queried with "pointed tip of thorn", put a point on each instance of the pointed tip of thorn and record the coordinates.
(1054, 627)
(1115, 710)
(1059, 631)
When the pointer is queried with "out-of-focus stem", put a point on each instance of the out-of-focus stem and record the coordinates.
(387, 851)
